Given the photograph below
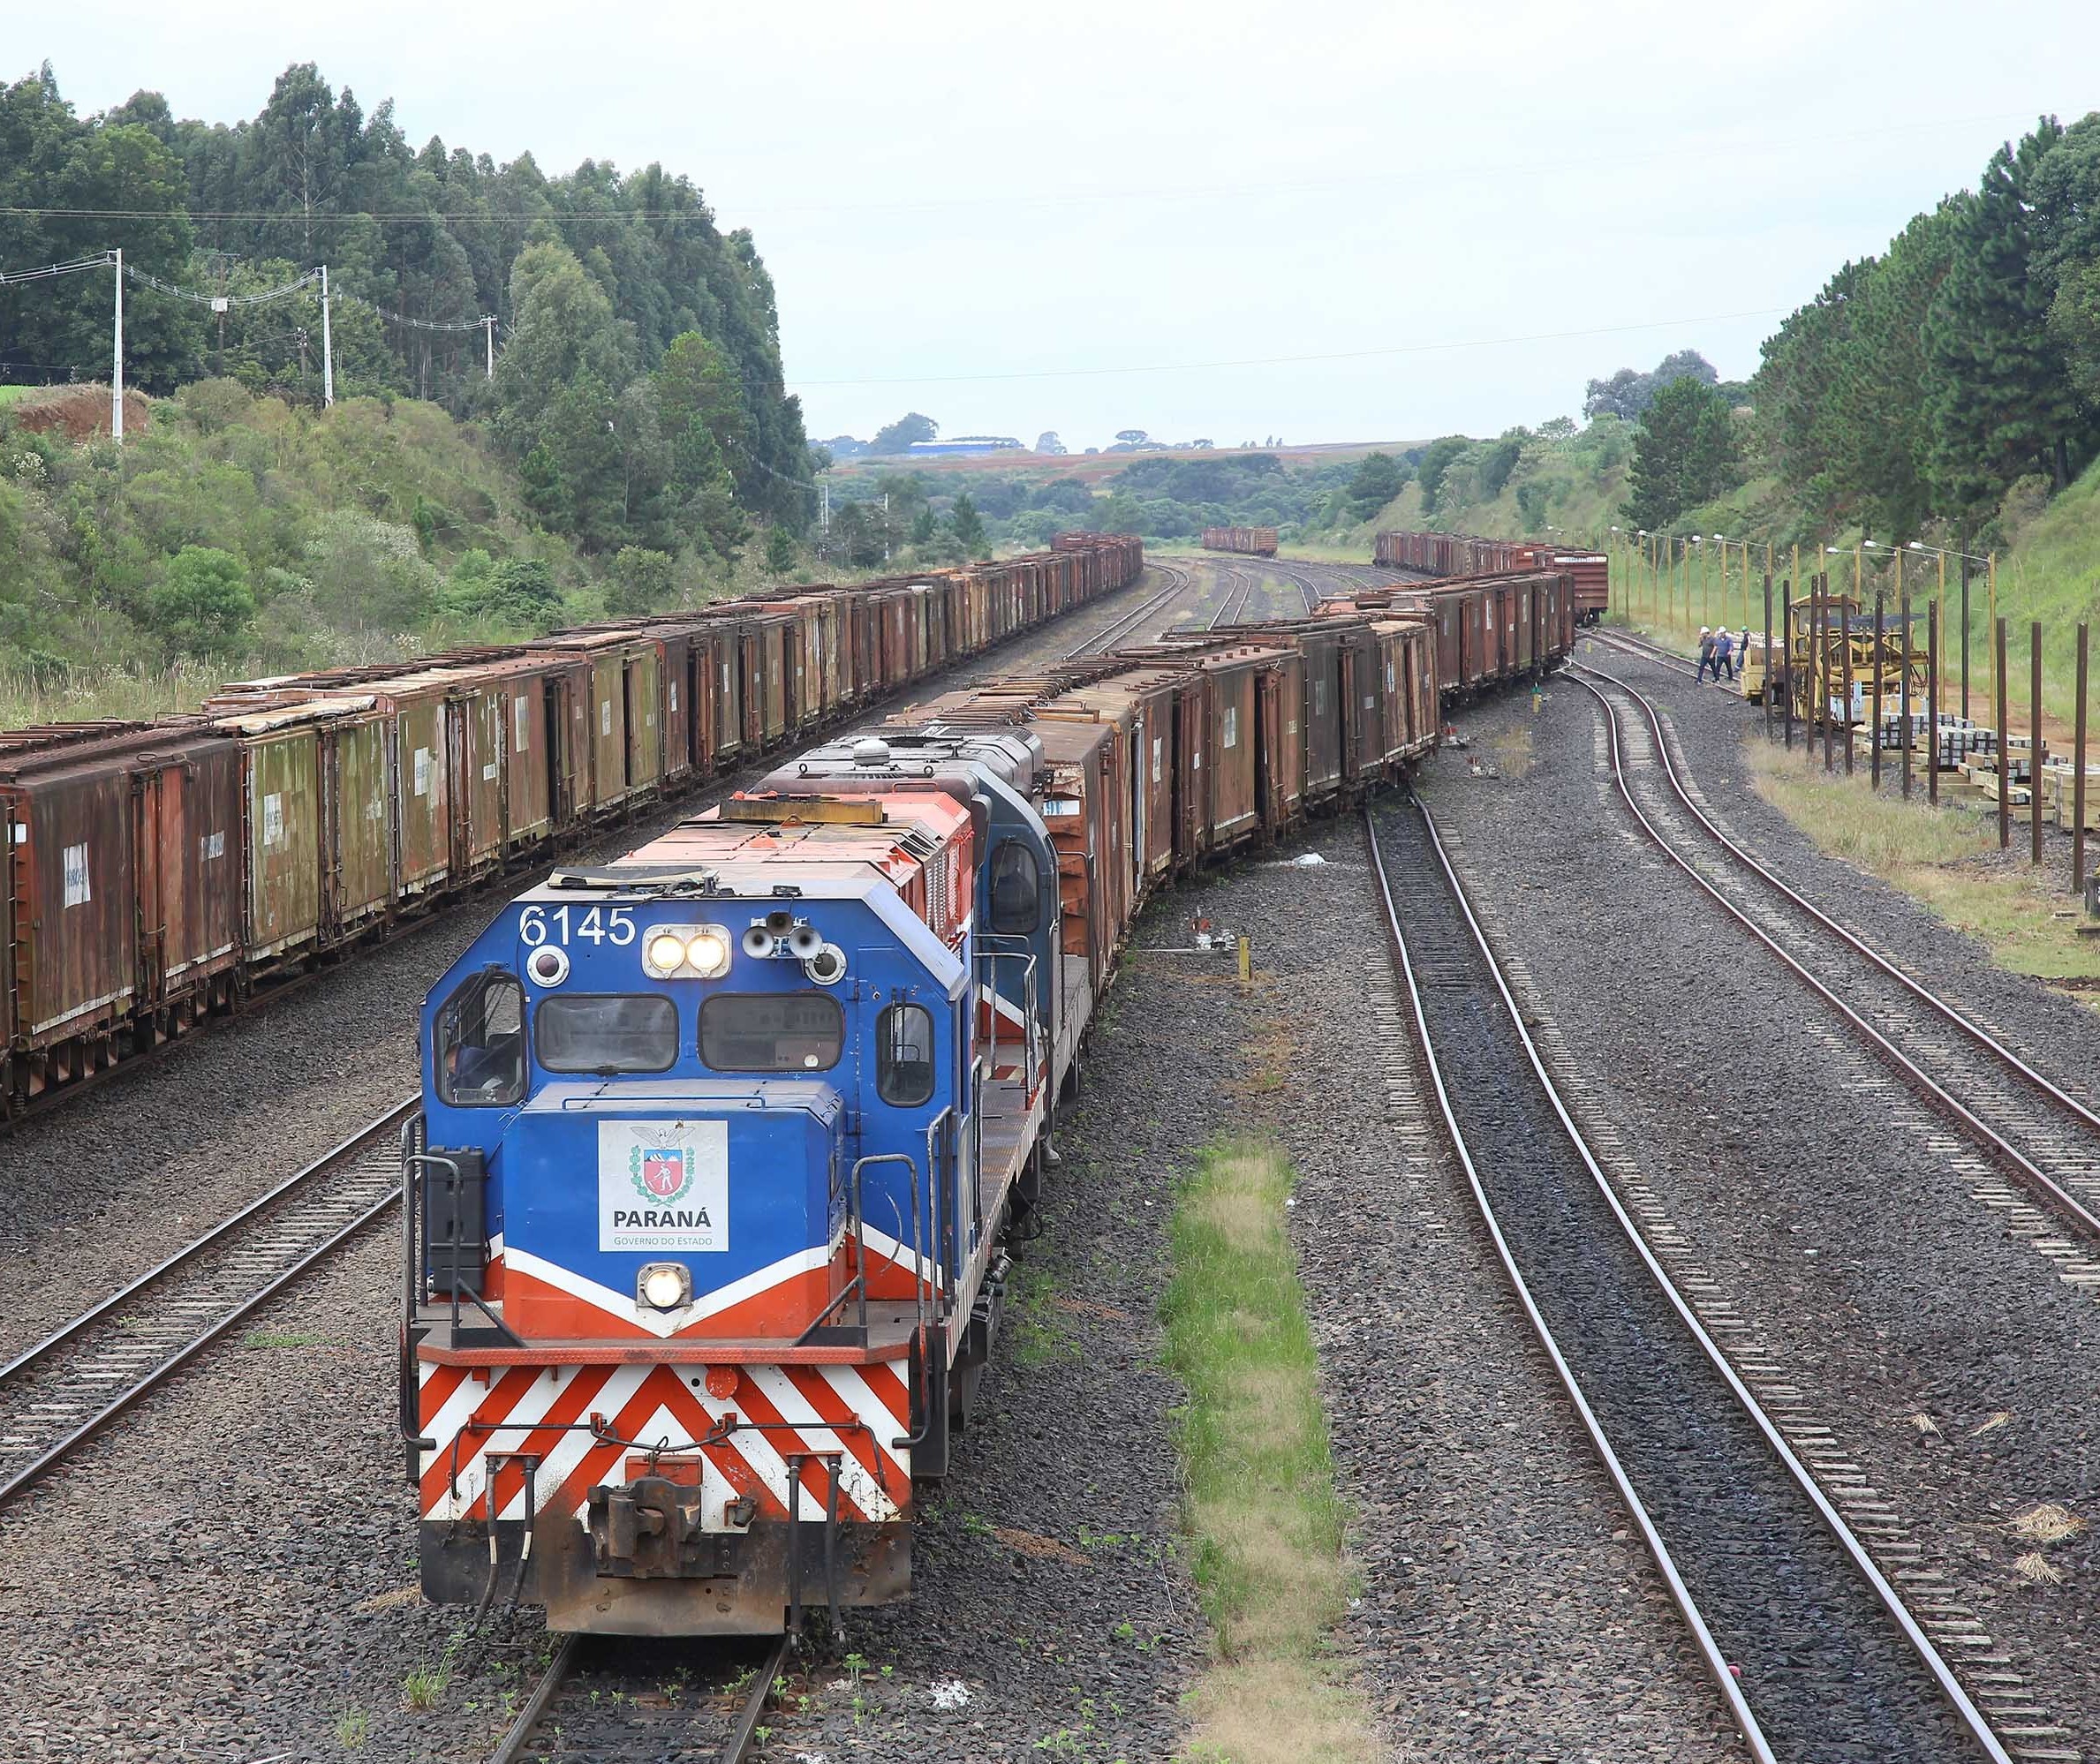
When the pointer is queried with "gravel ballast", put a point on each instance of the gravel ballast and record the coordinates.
(1951, 1363)
(228, 1574)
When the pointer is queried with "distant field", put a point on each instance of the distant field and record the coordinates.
(1093, 467)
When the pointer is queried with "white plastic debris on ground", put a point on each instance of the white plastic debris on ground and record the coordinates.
(950, 1693)
(1307, 860)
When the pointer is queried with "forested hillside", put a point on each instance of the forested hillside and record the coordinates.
(1946, 391)
(420, 242)
(635, 444)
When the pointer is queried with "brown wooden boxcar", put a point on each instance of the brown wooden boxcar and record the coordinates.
(122, 896)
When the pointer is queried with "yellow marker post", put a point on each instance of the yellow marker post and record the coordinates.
(1246, 952)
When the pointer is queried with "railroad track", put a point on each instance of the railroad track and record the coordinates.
(1810, 1647)
(1239, 586)
(59, 1394)
(1626, 644)
(1178, 582)
(604, 1699)
(66, 1389)
(2036, 1132)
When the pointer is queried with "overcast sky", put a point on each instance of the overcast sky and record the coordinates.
(1089, 217)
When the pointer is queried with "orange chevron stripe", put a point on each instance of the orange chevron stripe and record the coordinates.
(535, 1309)
(817, 1391)
(567, 1409)
(785, 1440)
(889, 1390)
(662, 1389)
(501, 1397)
(434, 1393)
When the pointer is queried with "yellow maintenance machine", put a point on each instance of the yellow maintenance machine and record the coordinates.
(1835, 660)
(1759, 662)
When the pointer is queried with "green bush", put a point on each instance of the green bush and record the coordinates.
(202, 602)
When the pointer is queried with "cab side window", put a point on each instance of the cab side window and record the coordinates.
(1015, 881)
(904, 1055)
(480, 1053)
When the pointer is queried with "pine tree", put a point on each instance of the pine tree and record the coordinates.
(1685, 455)
(1877, 425)
(969, 527)
(2002, 403)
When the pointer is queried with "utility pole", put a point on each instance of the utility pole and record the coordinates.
(489, 337)
(116, 356)
(328, 352)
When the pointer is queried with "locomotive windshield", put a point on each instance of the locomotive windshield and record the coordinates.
(904, 1055)
(607, 1033)
(771, 1032)
(481, 1043)
(1015, 880)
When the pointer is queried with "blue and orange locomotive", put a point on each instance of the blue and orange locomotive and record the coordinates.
(719, 1140)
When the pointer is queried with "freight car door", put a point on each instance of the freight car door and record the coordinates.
(642, 688)
(155, 800)
(284, 827)
(362, 856)
(422, 796)
(608, 730)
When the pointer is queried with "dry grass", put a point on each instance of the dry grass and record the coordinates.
(1941, 857)
(2050, 1522)
(1091, 1308)
(1267, 1522)
(1925, 1424)
(1990, 1424)
(1041, 1549)
(1512, 749)
(1270, 1059)
(1264, 1712)
(2037, 1569)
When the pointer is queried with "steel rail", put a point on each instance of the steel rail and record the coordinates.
(511, 1748)
(754, 1705)
(24, 1476)
(1239, 591)
(1717, 1663)
(357, 1144)
(1101, 640)
(1971, 1718)
(1988, 1138)
(1640, 649)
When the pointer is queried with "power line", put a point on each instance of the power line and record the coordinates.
(45, 272)
(751, 459)
(1414, 177)
(1292, 360)
(267, 294)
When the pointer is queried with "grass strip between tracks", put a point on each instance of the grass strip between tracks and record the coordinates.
(1947, 859)
(1263, 1511)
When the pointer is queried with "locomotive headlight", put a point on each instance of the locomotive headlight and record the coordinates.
(708, 951)
(665, 1286)
(686, 952)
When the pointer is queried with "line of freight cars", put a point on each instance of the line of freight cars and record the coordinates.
(868, 978)
(1490, 629)
(1461, 554)
(1251, 542)
(161, 873)
(880, 960)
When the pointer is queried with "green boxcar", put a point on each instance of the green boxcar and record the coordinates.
(283, 811)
